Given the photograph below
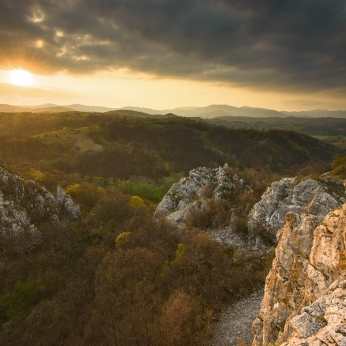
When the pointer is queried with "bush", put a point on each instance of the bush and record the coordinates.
(17, 304)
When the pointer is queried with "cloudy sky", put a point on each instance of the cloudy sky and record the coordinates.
(280, 54)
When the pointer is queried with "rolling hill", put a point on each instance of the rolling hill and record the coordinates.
(208, 112)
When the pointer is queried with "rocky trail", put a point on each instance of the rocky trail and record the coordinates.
(235, 322)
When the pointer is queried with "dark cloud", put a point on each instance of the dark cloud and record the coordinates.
(279, 45)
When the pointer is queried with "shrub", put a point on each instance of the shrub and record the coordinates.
(122, 238)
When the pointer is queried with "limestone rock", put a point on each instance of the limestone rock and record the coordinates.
(193, 192)
(22, 204)
(298, 308)
(66, 204)
(308, 197)
(324, 321)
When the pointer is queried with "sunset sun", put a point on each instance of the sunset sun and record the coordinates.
(21, 77)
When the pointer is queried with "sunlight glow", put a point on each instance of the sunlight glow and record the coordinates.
(37, 16)
(38, 44)
(21, 77)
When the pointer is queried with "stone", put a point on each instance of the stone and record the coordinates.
(66, 203)
(23, 202)
(305, 291)
(328, 324)
(289, 195)
(191, 194)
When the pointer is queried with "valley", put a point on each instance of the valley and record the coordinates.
(172, 173)
(145, 262)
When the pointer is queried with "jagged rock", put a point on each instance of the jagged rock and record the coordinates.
(24, 203)
(306, 264)
(191, 193)
(324, 321)
(66, 203)
(308, 197)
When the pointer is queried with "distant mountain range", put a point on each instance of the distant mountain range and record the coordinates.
(207, 112)
(53, 108)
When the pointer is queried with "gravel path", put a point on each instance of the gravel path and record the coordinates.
(235, 322)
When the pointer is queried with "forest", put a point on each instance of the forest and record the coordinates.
(330, 130)
(145, 155)
(117, 276)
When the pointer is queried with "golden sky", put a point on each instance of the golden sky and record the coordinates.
(287, 55)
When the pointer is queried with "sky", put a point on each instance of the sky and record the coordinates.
(284, 55)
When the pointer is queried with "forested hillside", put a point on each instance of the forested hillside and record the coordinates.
(73, 147)
(116, 276)
(330, 130)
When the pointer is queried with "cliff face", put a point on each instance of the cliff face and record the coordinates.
(309, 197)
(324, 321)
(22, 204)
(305, 292)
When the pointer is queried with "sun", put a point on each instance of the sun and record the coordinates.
(21, 77)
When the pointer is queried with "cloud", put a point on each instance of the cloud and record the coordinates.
(286, 45)
(10, 91)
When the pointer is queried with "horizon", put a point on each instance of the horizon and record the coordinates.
(165, 55)
(140, 108)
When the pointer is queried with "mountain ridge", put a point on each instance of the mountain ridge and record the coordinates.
(206, 112)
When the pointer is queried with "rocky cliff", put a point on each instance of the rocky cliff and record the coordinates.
(193, 193)
(203, 185)
(309, 196)
(305, 292)
(23, 204)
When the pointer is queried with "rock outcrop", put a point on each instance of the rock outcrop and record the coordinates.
(191, 193)
(309, 197)
(22, 204)
(324, 321)
(305, 298)
(305, 292)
